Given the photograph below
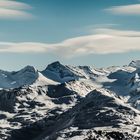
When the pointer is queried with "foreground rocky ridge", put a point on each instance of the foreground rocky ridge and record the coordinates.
(71, 102)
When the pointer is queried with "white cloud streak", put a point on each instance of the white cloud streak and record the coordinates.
(10, 9)
(133, 9)
(105, 41)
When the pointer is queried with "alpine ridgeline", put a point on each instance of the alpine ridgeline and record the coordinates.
(66, 102)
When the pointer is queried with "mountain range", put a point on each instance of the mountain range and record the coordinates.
(66, 102)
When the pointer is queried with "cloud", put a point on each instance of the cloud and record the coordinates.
(91, 28)
(10, 9)
(24, 47)
(133, 9)
(105, 41)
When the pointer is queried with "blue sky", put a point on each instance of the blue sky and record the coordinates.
(79, 32)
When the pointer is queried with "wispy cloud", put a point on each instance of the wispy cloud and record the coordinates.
(105, 41)
(24, 47)
(10, 9)
(133, 9)
(91, 28)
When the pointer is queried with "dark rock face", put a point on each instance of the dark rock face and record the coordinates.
(7, 101)
(59, 91)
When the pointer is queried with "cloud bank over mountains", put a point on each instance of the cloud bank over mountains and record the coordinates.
(104, 41)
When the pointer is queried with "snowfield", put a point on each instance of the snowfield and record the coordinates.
(66, 102)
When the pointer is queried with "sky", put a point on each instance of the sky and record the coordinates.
(99, 33)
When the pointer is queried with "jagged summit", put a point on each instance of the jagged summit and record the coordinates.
(135, 63)
(25, 76)
(58, 72)
(29, 69)
(55, 64)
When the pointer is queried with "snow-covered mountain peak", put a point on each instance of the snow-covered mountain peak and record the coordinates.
(28, 68)
(55, 66)
(15, 79)
(135, 63)
(58, 72)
